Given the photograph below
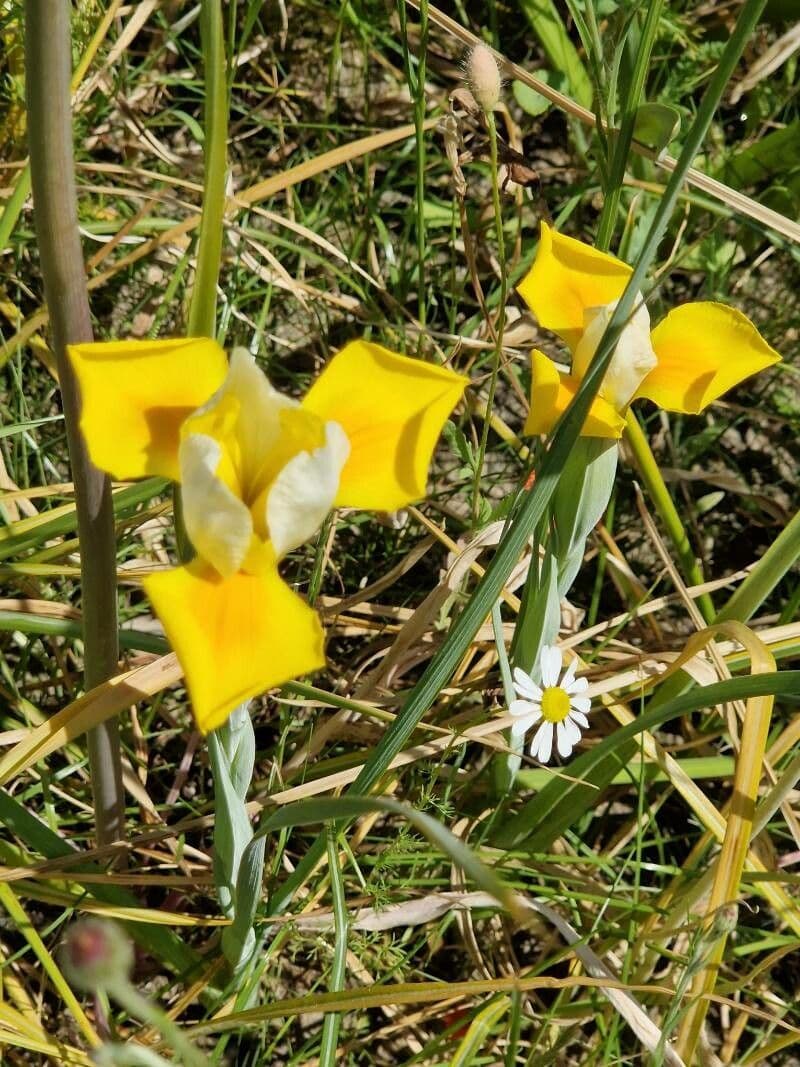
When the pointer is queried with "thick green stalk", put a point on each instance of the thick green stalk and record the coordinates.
(48, 69)
(203, 304)
(441, 667)
(657, 488)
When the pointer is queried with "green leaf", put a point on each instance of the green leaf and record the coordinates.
(655, 125)
(775, 154)
(547, 24)
(533, 103)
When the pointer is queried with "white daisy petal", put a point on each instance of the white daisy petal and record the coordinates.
(550, 662)
(525, 685)
(580, 704)
(579, 718)
(569, 675)
(524, 708)
(518, 730)
(545, 739)
(578, 685)
(563, 739)
(537, 737)
(572, 729)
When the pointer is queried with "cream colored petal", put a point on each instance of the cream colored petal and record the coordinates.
(304, 491)
(633, 357)
(256, 430)
(218, 523)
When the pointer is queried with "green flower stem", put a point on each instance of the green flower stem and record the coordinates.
(656, 486)
(203, 304)
(499, 328)
(48, 50)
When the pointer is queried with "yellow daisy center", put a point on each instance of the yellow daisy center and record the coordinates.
(555, 704)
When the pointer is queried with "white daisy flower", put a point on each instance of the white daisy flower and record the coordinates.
(559, 707)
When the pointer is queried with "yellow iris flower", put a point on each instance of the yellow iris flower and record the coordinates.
(694, 355)
(258, 472)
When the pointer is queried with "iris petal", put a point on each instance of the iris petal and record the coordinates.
(392, 409)
(704, 349)
(551, 394)
(136, 394)
(566, 279)
(303, 492)
(235, 637)
(218, 523)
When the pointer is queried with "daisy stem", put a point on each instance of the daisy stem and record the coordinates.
(48, 64)
(499, 326)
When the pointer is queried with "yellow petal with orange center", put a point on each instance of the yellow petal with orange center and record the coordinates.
(703, 349)
(567, 278)
(392, 410)
(136, 394)
(234, 637)
(552, 392)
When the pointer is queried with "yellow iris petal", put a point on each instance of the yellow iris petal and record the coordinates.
(566, 278)
(136, 394)
(551, 394)
(234, 637)
(704, 349)
(392, 409)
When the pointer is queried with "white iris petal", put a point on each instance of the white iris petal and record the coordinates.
(258, 420)
(218, 522)
(633, 357)
(303, 492)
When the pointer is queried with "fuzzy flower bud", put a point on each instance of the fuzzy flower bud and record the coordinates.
(483, 77)
(96, 954)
